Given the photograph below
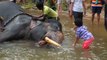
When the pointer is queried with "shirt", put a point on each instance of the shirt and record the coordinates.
(78, 6)
(49, 12)
(97, 3)
(83, 33)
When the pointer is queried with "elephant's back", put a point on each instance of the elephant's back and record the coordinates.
(9, 10)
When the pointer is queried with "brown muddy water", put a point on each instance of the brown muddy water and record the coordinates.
(27, 50)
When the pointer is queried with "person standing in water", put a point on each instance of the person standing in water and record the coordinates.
(82, 33)
(77, 8)
(96, 6)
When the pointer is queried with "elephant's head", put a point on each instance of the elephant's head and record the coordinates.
(48, 33)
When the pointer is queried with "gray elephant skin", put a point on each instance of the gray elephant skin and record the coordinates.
(17, 25)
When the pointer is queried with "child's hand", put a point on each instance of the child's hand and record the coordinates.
(74, 28)
(34, 18)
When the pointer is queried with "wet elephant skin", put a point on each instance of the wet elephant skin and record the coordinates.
(15, 21)
(17, 25)
(48, 25)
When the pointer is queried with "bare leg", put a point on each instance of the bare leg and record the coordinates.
(70, 15)
(98, 18)
(93, 14)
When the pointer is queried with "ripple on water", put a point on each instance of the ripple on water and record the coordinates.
(16, 52)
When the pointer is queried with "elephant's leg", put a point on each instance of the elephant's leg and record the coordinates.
(13, 29)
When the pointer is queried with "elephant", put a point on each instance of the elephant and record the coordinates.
(18, 25)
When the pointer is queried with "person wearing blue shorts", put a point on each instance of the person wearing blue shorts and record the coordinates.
(96, 6)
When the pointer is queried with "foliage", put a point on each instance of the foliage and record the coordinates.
(31, 3)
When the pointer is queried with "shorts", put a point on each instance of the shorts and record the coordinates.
(96, 10)
(87, 43)
(78, 15)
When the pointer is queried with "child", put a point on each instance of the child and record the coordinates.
(48, 13)
(82, 33)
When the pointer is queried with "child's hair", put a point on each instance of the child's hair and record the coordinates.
(78, 22)
(40, 4)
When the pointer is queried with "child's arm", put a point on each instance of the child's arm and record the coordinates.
(40, 18)
(76, 41)
(36, 17)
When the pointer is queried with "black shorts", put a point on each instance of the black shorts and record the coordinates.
(96, 10)
(78, 15)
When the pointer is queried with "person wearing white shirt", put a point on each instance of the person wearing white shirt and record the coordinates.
(77, 9)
